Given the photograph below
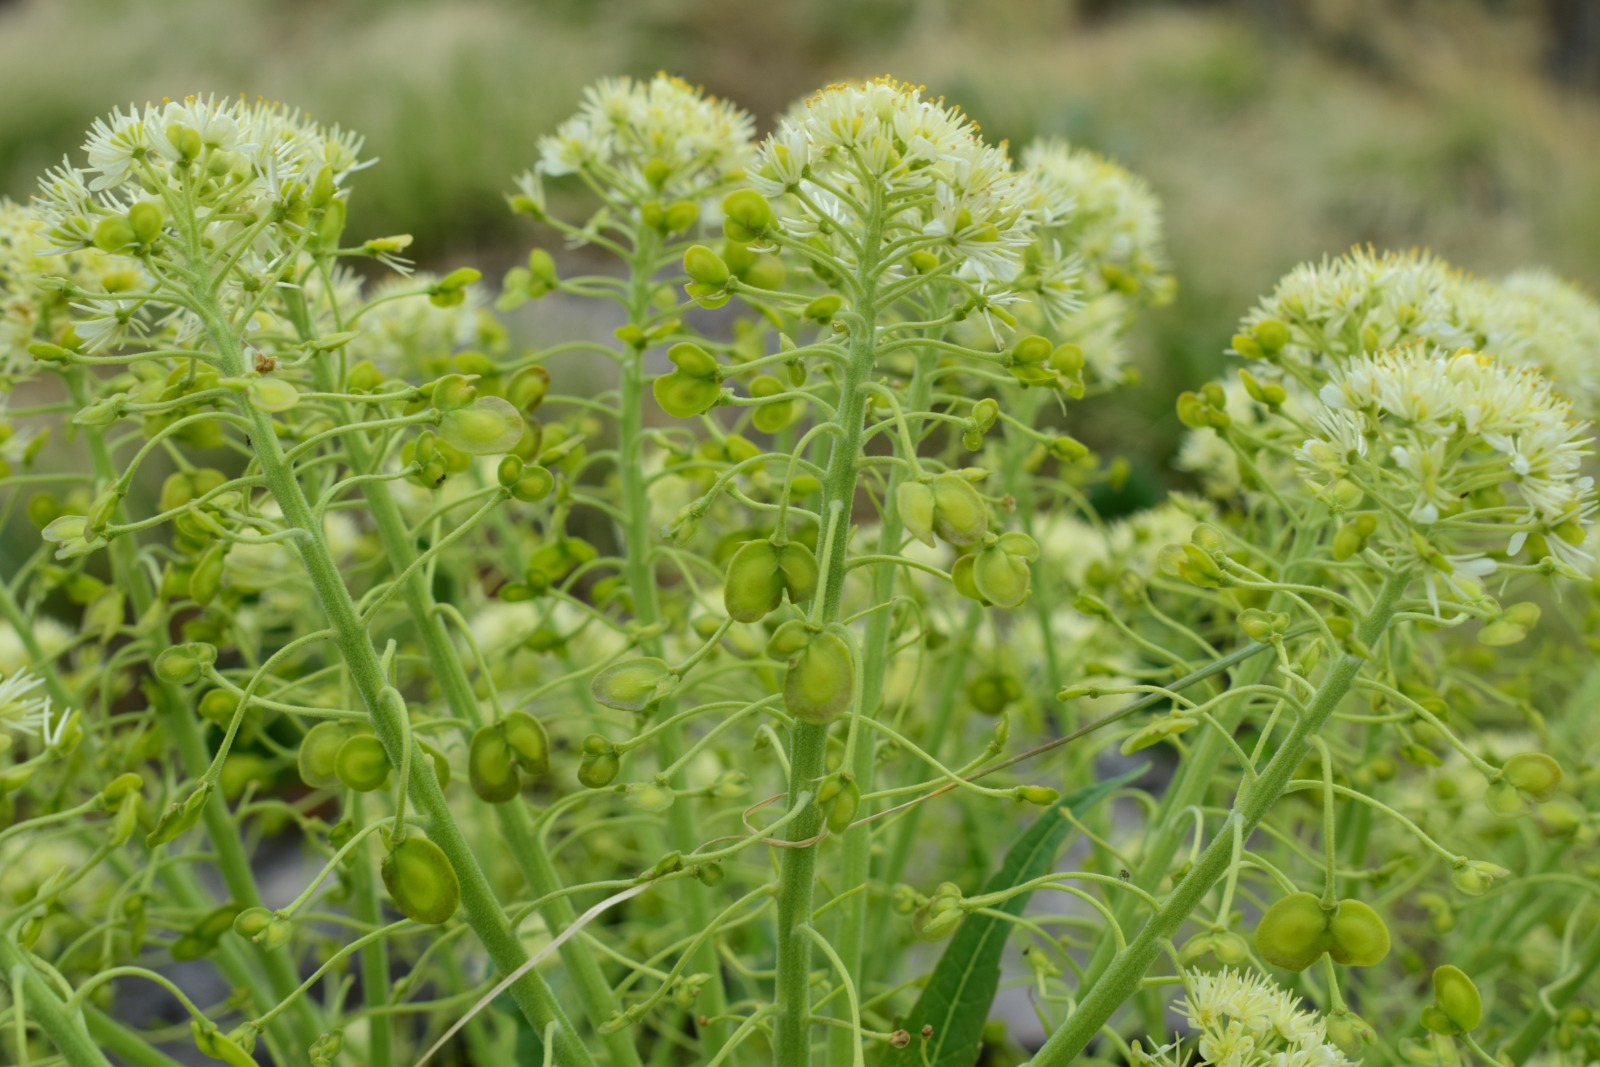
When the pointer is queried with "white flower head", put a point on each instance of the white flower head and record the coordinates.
(657, 139)
(880, 149)
(1473, 455)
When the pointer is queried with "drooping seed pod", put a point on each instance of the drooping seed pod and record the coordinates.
(362, 764)
(1358, 936)
(820, 681)
(634, 685)
(1293, 933)
(491, 768)
(420, 880)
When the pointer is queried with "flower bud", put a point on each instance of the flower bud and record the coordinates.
(251, 921)
(1349, 1032)
(1474, 877)
(179, 817)
(213, 1043)
(420, 880)
(218, 706)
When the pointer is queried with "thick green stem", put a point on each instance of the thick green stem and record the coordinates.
(1123, 978)
(484, 913)
(65, 1031)
(123, 1043)
(809, 745)
(850, 937)
(594, 992)
(368, 907)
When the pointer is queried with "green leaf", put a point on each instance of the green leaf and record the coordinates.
(957, 998)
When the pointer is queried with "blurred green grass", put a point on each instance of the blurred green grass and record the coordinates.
(1273, 132)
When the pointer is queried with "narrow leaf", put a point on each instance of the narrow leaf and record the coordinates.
(959, 993)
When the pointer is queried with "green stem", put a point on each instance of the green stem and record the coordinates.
(809, 744)
(66, 1031)
(515, 822)
(368, 907)
(483, 911)
(232, 860)
(1123, 978)
(1570, 984)
(851, 925)
(639, 574)
(123, 1043)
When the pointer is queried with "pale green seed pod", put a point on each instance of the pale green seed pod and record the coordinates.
(420, 880)
(960, 516)
(488, 427)
(1358, 936)
(821, 678)
(1002, 578)
(319, 753)
(491, 768)
(362, 764)
(915, 503)
(1293, 933)
(1535, 775)
(1457, 998)
(633, 685)
(529, 742)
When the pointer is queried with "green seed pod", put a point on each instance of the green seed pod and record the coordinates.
(179, 817)
(1534, 775)
(753, 586)
(1001, 577)
(529, 742)
(840, 799)
(114, 234)
(205, 581)
(215, 1044)
(917, 507)
(491, 767)
(251, 921)
(823, 308)
(1358, 936)
(145, 219)
(634, 685)
(420, 880)
(319, 753)
(1038, 795)
(694, 387)
(705, 267)
(362, 764)
(1457, 999)
(960, 516)
(489, 426)
(773, 417)
(939, 917)
(961, 577)
(1474, 877)
(1293, 933)
(749, 211)
(992, 692)
(527, 389)
(652, 797)
(183, 664)
(598, 770)
(820, 681)
(1349, 1032)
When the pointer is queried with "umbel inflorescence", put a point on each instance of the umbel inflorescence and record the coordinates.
(649, 694)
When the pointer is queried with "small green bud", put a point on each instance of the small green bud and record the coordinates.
(184, 664)
(1040, 795)
(599, 769)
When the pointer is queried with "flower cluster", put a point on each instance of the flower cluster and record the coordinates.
(1245, 1020)
(946, 195)
(1474, 454)
(661, 138)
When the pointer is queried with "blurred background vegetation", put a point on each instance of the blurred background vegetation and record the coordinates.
(1274, 130)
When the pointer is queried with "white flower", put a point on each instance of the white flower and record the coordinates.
(1469, 444)
(661, 138)
(1245, 1020)
(878, 149)
(23, 709)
